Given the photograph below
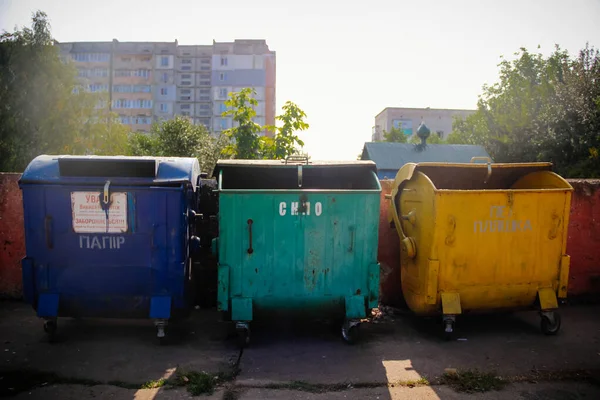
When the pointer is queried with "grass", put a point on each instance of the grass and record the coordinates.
(198, 383)
(473, 381)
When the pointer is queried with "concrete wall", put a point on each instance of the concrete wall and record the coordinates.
(12, 236)
(583, 241)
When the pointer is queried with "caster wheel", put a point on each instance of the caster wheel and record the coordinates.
(449, 330)
(50, 328)
(243, 337)
(351, 333)
(548, 327)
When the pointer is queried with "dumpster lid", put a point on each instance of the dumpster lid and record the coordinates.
(128, 170)
(292, 163)
(473, 176)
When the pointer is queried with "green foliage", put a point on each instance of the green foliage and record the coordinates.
(395, 135)
(246, 143)
(179, 137)
(285, 141)
(542, 109)
(41, 110)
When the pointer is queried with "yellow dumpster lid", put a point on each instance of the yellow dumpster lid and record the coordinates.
(473, 176)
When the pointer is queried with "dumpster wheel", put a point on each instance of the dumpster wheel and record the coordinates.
(243, 333)
(550, 323)
(50, 327)
(351, 331)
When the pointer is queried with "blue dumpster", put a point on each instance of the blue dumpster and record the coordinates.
(109, 237)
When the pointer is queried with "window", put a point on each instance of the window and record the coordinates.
(185, 98)
(204, 106)
(186, 68)
(204, 68)
(205, 61)
(224, 61)
(163, 107)
(204, 76)
(205, 91)
(223, 123)
(124, 120)
(223, 93)
(185, 106)
(186, 61)
(164, 61)
(186, 83)
(185, 113)
(126, 59)
(440, 134)
(205, 121)
(186, 91)
(94, 88)
(142, 89)
(186, 76)
(222, 76)
(142, 73)
(204, 98)
(204, 83)
(222, 108)
(163, 91)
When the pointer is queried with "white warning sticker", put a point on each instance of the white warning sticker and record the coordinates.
(89, 217)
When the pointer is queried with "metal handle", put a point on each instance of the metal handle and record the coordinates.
(48, 230)
(107, 192)
(250, 249)
(297, 158)
(489, 166)
(410, 217)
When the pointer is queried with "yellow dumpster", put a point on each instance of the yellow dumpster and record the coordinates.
(482, 237)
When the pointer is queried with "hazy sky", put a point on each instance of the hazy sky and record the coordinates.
(343, 64)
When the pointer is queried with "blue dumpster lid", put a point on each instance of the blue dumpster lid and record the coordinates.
(163, 171)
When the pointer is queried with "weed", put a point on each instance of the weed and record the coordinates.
(154, 384)
(473, 381)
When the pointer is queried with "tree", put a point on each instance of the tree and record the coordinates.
(42, 111)
(178, 137)
(395, 135)
(285, 141)
(244, 135)
(542, 109)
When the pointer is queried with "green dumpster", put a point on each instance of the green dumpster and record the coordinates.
(298, 237)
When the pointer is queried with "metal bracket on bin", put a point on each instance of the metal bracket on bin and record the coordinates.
(298, 158)
(107, 192)
(489, 166)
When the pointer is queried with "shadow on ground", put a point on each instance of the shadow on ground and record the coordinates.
(294, 357)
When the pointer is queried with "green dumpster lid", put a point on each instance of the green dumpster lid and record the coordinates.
(223, 164)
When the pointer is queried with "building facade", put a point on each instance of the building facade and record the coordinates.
(409, 119)
(146, 82)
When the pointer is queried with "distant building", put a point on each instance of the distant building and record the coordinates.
(390, 157)
(408, 119)
(153, 81)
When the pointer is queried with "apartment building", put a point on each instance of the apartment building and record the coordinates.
(152, 81)
(409, 119)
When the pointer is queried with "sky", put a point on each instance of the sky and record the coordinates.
(343, 61)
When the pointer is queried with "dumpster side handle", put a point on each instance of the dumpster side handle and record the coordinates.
(250, 249)
(48, 231)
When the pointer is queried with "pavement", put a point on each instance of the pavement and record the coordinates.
(400, 356)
